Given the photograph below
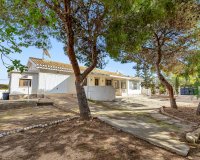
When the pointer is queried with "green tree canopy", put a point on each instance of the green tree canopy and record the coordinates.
(162, 40)
(16, 33)
(79, 25)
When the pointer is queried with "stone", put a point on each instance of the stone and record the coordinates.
(197, 132)
(25, 129)
(191, 138)
(20, 130)
(1, 135)
(4, 133)
(8, 133)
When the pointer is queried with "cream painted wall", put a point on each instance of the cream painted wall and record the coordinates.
(120, 92)
(91, 80)
(102, 80)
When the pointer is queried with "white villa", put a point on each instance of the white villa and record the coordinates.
(48, 77)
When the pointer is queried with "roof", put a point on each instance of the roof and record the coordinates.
(52, 65)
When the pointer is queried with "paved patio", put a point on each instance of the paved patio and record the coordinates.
(139, 116)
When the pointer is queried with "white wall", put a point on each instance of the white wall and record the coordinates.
(14, 83)
(132, 91)
(56, 83)
(100, 93)
(146, 91)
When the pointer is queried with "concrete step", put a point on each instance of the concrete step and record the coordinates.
(45, 102)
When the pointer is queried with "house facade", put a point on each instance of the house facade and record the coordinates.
(49, 77)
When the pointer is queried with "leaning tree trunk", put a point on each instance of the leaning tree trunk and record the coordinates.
(198, 110)
(82, 101)
(167, 85)
(162, 78)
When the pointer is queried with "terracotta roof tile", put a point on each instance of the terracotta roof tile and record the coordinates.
(40, 63)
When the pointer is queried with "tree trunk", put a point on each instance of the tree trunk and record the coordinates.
(169, 88)
(198, 110)
(82, 101)
(160, 76)
(172, 98)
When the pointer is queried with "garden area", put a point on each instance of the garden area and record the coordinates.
(94, 139)
(157, 113)
(76, 139)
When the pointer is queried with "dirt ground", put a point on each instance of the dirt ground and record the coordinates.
(78, 140)
(73, 140)
(186, 113)
(22, 117)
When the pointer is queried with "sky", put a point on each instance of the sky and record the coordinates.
(57, 54)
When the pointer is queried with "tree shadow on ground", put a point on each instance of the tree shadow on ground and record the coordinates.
(79, 140)
(11, 119)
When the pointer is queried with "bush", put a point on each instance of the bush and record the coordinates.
(3, 86)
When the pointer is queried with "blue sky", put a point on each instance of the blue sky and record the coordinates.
(57, 54)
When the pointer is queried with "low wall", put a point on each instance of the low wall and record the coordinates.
(100, 93)
(16, 104)
(25, 96)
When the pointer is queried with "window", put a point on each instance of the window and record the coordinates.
(25, 82)
(123, 85)
(133, 85)
(108, 82)
(116, 84)
(96, 82)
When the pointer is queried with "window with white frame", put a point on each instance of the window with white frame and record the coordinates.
(133, 85)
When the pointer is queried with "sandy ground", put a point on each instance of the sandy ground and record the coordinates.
(78, 140)
(22, 117)
(186, 113)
